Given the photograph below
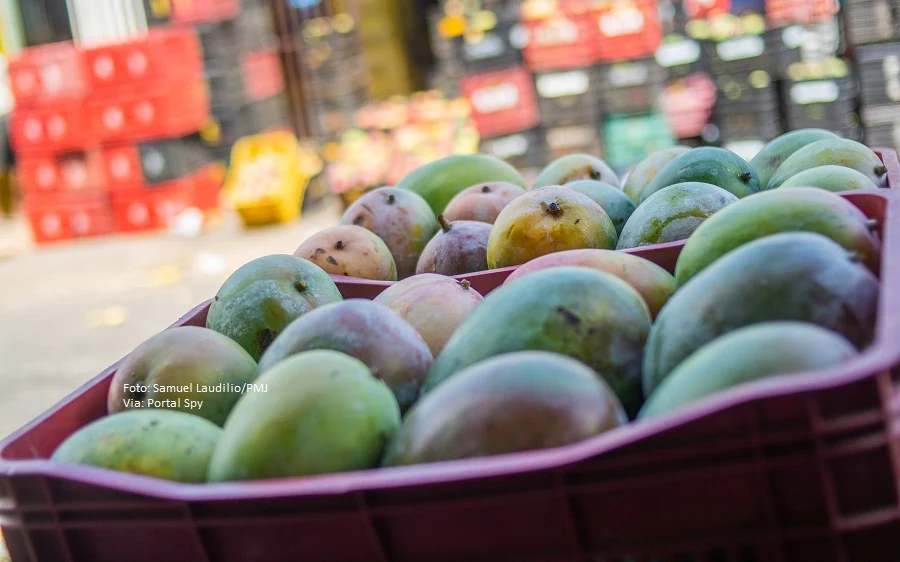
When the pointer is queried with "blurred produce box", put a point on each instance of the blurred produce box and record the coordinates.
(631, 87)
(503, 101)
(492, 41)
(201, 11)
(628, 29)
(524, 150)
(68, 216)
(871, 21)
(786, 12)
(573, 139)
(568, 97)
(681, 56)
(747, 106)
(64, 126)
(631, 138)
(558, 40)
(48, 175)
(45, 74)
(688, 105)
(882, 125)
(879, 73)
(822, 94)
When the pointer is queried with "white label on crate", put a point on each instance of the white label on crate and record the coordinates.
(32, 129)
(681, 52)
(154, 163)
(892, 89)
(565, 137)
(818, 91)
(80, 223)
(507, 147)
(628, 74)
(144, 112)
(45, 175)
(104, 67)
(561, 84)
(138, 214)
(495, 98)
(120, 167)
(880, 114)
(741, 48)
(746, 149)
(75, 174)
(56, 126)
(556, 32)
(25, 81)
(50, 225)
(113, 118)
(491, 45)
(518, 36)
(793, 36)
(137, 63)
(52, 80)
(626, 20)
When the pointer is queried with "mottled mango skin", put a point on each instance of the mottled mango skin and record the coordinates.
(790, 276)
(264, 296)
(830, 178)
(787, 209)
(838, 152)
(435, 305)
(402, 219)
(458, 248)
(517, 402)
(482, 202)
(673, 213)
(574, 167)
(780, 148)
(160, 443)
(179, 357)
(586, 314)
(350, 251)
(616, 204)
(546, 220)
(652, 282)
(647, 169)
(322, 412)
(707, 164)
(373, 333)
(735, 359)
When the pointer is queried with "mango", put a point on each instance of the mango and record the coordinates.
(164, 444)
(482, 202)
(458, 248)
(574, 167)
(616, 204)
(586, 314)
(787, 209)
(789, 276)
(830, 178)
(516, 402)
(322, 412)
(735, 359)
(190, 369)
(673, 213)
(780, 148)
(264, 296)
(350, 251)
(376, 335)
(647, 169)
(707, 164)
(652, 282)
(435, 305)
(440, 181)
(402, 219)
(546, 220)
(838, 152)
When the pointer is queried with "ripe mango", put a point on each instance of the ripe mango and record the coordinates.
(458, 248)
(350, 251)
(574, 167)
(646, 170)
(482, 202)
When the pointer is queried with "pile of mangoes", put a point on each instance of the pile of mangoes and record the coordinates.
(777, 275)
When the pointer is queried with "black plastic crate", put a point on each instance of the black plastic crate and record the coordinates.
(167, 160)
(826, 104)
(44, 21)
(256, 27)
(270, 113)
(568, 97)
(493, 49)
(740, 54)
(523, 150)
(881, 125)
(560, 141)
(878, 67)
(765, 125)
(785, 46)
(354, 79)
(871, 21)
(681, 57)
(752, 92)
(630, 87)
(226, 88)
(441, 46)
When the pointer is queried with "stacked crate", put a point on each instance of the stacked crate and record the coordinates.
(689, 93)
(103, 135)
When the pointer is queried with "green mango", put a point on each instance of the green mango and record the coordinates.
(789, 276)
(673, 213)
(647, 169)
(616, 204)
(778, 149)
(839, 152)
(708, 164)
(831, 178)
(574, 167)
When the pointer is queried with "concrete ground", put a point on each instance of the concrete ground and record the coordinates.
(68, 311)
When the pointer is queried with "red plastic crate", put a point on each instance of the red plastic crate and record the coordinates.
(62, 127)
(262, 74)
(561, 41)
(627, 29)
(165, 56)
(153, 208)
(68, 216)
(121, 165)
(802, 468)
(788, 12)
(169, 111)
(503, 101)
(72, 172)
(40, 75)
(200, 11)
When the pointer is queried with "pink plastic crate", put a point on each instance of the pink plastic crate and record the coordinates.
(801, 468)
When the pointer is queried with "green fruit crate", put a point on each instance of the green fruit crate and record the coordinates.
(801, 468)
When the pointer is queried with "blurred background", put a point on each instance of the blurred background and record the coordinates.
(153, 146)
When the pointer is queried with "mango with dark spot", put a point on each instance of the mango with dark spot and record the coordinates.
(516, 402)
(458, 248)
(646, 170)
(174, 365)
(574, 167)
(402, 219)
(376, 335)
(780, 148)
(616, 204)
(322, 412)
(350, 251)
(546, 220)
(797, 276)
(264, 296)
(482, 202)
(652, 282)
(836, 151)
(707, 164)
(589, 315)
(673, 213)
(160, 443)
